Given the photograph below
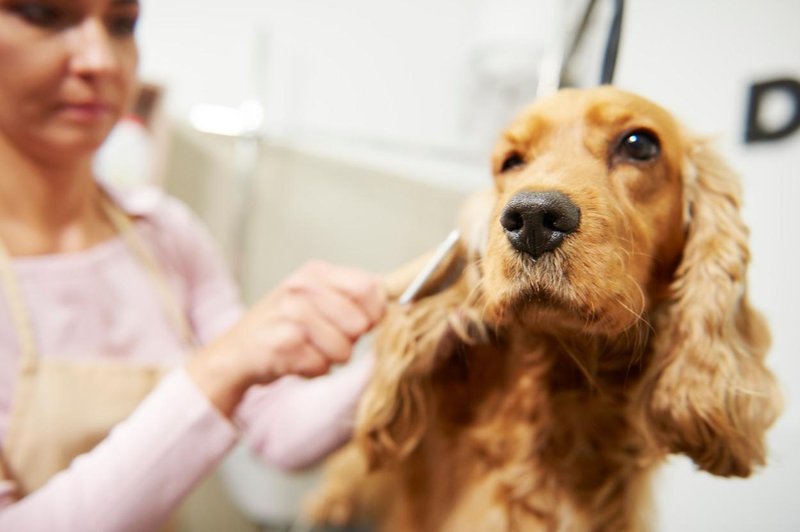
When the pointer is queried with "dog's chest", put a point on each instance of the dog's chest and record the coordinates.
(520, 439)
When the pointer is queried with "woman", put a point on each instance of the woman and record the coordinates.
(103, 293)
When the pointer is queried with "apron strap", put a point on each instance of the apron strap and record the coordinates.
(19, 311)
(5, 477)
(125, 227)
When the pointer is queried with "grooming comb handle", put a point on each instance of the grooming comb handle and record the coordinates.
(439, 255)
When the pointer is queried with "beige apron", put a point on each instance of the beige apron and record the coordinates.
(60, 408)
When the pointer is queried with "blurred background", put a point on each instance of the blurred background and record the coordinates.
(351, 130)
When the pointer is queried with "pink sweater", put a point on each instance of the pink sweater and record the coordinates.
(99, 303)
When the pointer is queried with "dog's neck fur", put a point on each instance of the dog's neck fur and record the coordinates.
(571, 392)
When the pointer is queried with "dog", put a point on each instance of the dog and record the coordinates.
(593, 320)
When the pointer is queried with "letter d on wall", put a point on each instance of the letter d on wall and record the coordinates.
(756, 130)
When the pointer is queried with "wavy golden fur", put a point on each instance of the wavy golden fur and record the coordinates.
(539, 390)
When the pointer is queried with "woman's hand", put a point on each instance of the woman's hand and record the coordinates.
(309, 322)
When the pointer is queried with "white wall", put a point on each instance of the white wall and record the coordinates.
(401, 78)
(407, 86)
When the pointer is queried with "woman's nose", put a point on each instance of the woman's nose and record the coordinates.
(93, 50)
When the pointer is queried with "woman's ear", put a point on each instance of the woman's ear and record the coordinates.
(413, 339)
(707, 392)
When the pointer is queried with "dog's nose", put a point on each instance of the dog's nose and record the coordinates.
(537, 222)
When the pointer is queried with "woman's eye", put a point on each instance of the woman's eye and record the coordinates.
(122, 25)
(513, 160)
(39, 14)
(640, 145)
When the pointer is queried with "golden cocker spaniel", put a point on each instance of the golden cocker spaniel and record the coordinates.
(593, 320)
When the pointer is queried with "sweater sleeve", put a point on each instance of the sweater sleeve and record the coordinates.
(295, 422)
(137, 476)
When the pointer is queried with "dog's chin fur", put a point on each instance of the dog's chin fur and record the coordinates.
(539, 295)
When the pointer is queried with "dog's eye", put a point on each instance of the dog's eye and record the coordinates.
(640, 145)
(512, 161)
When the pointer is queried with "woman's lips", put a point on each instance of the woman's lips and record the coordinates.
(85, 111)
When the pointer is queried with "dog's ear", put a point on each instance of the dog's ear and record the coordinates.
(413, 339)
(707, 393)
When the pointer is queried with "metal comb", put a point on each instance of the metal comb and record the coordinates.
(422, 277)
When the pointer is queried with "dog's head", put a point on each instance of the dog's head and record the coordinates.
(606, 216)
(588, 219)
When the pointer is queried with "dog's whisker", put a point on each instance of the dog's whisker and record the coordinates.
(581, 365)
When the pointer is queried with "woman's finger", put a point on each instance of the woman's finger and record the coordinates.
(290, 351)
(340, 310)
(364, 289)
(326, 336)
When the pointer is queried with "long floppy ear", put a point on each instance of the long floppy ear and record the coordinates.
(707, 393)
(413, 339)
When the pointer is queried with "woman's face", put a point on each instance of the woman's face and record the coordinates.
(67, 73)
